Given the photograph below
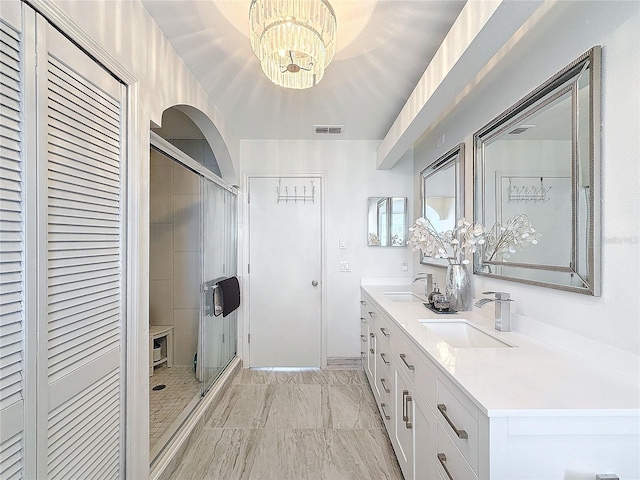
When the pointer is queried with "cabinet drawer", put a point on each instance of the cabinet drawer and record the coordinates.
(383, 356)
(385, 404)
(384, 381)
(459, 422)
(450, 463)
(369, 312)
(409, 362)
(384, 329)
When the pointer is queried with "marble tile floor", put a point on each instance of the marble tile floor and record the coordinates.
(167, 406)
(292, 425)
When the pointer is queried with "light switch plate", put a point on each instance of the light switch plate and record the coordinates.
(343, 243)
(344, 266)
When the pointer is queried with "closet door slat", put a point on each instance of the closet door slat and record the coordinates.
(12, 252)
(85, 429)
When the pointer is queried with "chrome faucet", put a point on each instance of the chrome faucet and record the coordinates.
(428, 282)
(503, 309)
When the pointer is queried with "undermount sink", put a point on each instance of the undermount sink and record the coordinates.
(461, 334)
(403, 297)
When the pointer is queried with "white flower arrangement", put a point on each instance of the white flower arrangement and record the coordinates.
(465, 239)
(504, 240)
(453, 245)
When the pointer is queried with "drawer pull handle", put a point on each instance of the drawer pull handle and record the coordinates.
(362, 302)
(372, 314)
(460, 433)
(409, 422)
(384, 359)
(442, 458)
(403, 357)
(371, 349)
(363, 320)
(386, 390)
(404, 405)
(386, 417)
(384, 331)
(364, 339)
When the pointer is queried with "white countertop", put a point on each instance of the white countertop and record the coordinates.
(531, 379)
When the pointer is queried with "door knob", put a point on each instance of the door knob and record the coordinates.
(314, 283)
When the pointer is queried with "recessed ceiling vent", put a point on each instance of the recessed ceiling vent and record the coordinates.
(521, 129)
(328, 129)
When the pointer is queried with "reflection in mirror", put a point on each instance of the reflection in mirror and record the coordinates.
(387, 220)
(442, 194)
(541, 159)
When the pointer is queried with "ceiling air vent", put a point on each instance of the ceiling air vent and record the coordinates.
(521, 129)
(328, 129)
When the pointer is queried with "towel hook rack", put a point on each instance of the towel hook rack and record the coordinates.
(295, 197)
(529, 193)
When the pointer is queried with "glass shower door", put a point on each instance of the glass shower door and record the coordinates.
(218, 227)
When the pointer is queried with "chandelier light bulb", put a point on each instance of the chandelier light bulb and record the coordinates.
(294, 40)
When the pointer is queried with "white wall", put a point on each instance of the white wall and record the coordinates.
(555, 36)
(351, 178)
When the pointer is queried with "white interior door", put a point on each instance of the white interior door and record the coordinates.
(285, 272)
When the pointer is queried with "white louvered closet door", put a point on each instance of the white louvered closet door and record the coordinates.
(12, 249)
(81, 244)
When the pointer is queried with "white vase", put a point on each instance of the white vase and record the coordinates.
(458, 287)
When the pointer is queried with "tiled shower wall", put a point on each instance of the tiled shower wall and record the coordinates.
(174, 258)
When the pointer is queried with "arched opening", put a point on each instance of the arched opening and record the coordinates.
(191, 131)
(179, 130)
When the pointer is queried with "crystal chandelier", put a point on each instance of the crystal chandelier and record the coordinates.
(294, 39)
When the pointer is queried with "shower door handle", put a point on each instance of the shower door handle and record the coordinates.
(212, 297)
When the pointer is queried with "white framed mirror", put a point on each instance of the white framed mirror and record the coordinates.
(442, 195)
(387, 222)
(541, 158)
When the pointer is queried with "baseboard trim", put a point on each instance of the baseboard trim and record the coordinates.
(344, 363)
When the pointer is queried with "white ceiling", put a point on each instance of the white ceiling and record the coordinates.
(384, 47)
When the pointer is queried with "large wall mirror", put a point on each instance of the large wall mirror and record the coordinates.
(541, 158)
(442, 184)
(387, 222)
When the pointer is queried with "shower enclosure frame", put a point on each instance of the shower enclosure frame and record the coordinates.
(209, 182)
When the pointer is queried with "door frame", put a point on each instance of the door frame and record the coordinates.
(244, 351)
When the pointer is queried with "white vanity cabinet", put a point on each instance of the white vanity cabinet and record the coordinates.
(375, 334)
(403, 384)
(368, 340)
(384, 370)
(439, 431)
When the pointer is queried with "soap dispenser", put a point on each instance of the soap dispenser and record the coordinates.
(435, 292)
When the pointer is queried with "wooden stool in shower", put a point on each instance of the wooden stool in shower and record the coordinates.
(163, 333)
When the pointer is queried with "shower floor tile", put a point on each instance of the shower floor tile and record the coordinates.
(168, 405)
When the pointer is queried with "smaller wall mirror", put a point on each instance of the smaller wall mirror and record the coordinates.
(443, 194)
(541, 158)
(387, 220)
